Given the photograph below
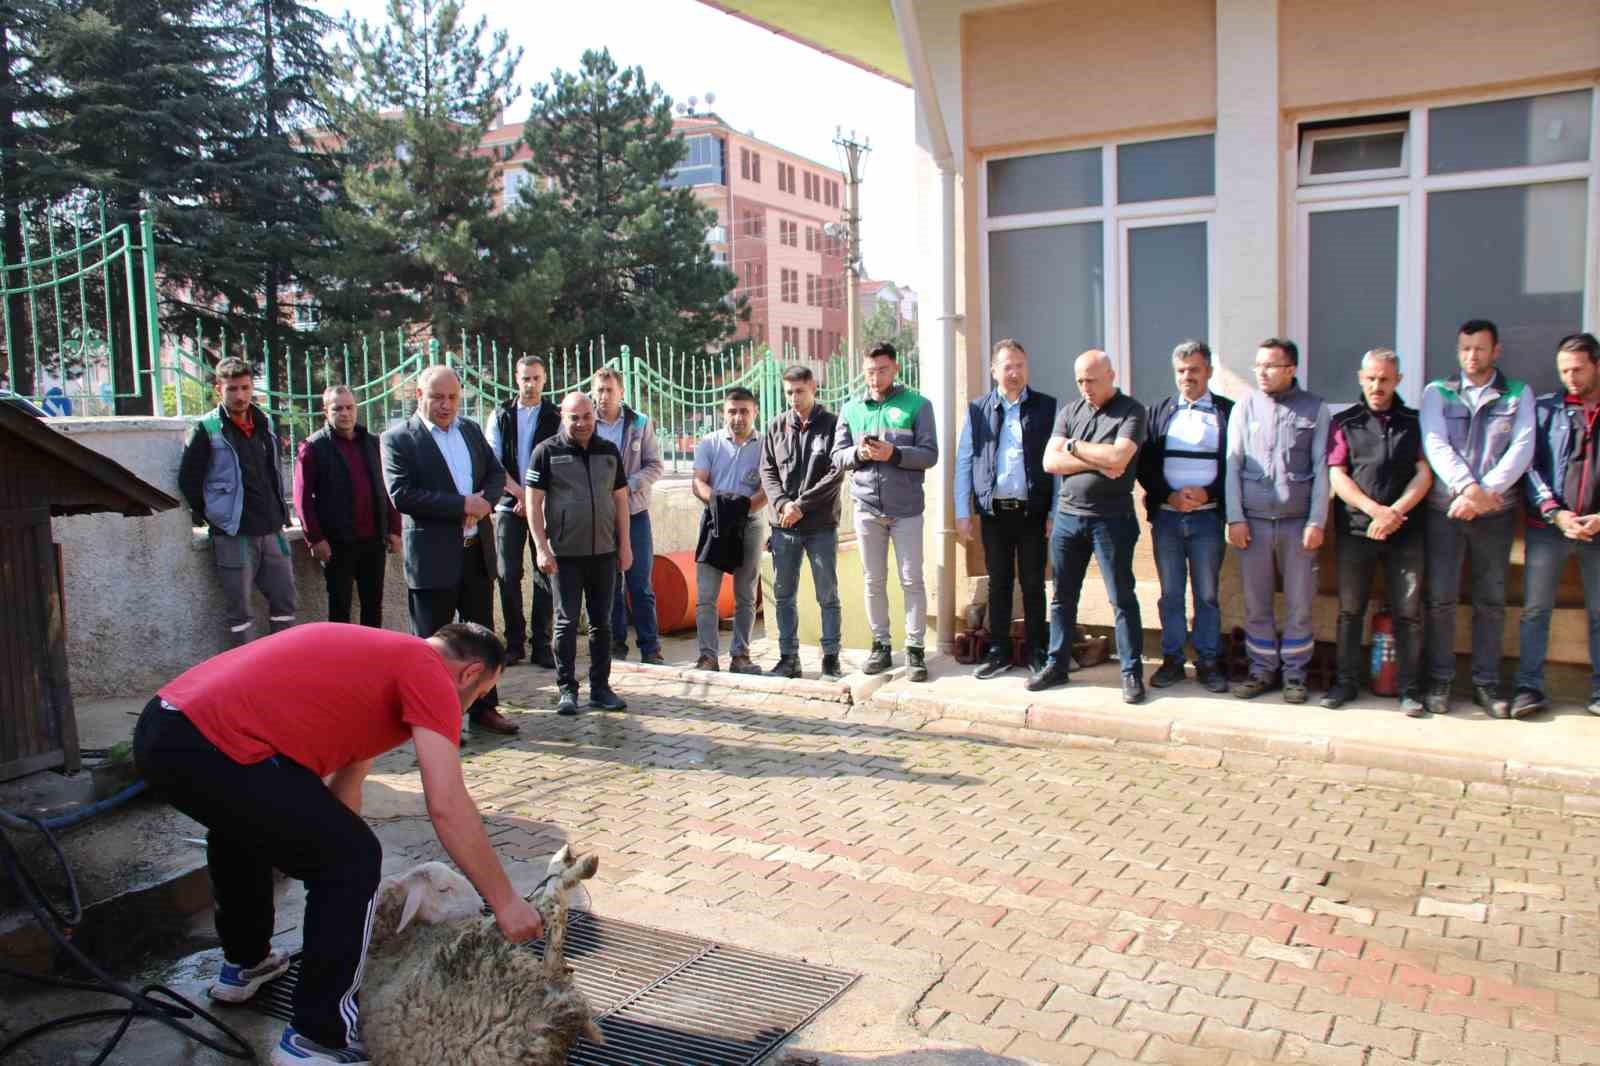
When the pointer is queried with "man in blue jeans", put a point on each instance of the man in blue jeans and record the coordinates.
(635, 438)
(802, 487)
(1094, 446)
(1181, 468)
(1563, 492)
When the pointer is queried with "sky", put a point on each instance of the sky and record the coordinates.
(785, 93)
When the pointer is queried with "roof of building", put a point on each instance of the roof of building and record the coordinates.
(103, 485)
(859, 32)
(712, 120)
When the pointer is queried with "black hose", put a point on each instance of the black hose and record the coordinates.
(153, 1001)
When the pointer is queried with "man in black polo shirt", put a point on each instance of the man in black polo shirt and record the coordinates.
(577, 504)
(1094, 447)
(1379, 475)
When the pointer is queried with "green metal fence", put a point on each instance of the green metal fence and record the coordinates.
(78, 310)
(680, 392)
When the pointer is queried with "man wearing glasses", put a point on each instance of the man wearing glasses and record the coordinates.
(1277, 501)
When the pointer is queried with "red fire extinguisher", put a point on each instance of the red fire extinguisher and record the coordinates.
(1385, 670)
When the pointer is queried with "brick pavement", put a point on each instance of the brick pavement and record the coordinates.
(1083, 906)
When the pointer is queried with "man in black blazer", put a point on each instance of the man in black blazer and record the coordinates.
(442, 476)
(1181, 468)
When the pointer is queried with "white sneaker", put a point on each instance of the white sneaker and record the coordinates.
(236, 984)
(295, 1050)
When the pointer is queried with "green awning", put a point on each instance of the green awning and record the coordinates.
(861, 32)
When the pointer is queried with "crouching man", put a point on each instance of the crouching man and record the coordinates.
(274, 771)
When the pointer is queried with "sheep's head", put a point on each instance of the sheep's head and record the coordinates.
(564, 872)
(434, 893)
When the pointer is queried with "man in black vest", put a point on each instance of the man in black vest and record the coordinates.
(1000, 462)
(1378, 474)
(344, 508)
(521, 424)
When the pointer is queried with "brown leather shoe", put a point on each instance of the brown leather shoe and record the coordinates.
(495, 722)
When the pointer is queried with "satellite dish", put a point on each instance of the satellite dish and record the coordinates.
(693, 100)
(711, 98)
(683, 108)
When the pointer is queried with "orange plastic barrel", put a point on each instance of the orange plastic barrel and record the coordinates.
(672, 577)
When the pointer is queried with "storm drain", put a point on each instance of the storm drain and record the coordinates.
(665, 999)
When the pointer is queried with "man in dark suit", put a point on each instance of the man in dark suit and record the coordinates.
(442, 475)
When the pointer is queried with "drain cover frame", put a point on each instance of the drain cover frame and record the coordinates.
(663, 998)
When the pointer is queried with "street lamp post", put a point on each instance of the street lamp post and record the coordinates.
(853, 153)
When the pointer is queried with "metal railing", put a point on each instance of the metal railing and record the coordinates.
(681, 392)
(78, 310)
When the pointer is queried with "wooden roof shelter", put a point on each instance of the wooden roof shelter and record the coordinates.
(44, 473)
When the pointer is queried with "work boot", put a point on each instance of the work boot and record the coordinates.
(786, 666)
(833, 671)
(1253, 686)
(1170, 672)
(1527, 701)
(916, 662)
(741, 664)
(1047, 676)
(707, 662)
(996, 664)
(1339, 695)
(1133, 688)
(567, 705)
(1210, 674)
(1437, 699)
(1294, 690)
(878, 660)
(1486, 696)
(606, 700)
(653, 658)
(619, 650)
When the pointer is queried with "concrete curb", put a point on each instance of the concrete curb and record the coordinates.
(1567, 789)
(704, 682)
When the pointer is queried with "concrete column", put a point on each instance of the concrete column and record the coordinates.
(1249, 220)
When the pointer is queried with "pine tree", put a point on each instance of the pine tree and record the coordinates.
(23, 24)
(633, 249)
(416, 244)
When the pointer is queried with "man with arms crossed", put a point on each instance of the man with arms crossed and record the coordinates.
(249, 760)
(1477, 432)
(1181, 468)
(578, 507)
(1094, 447)
(802, 488)
(1000, 462)
(1379, 476)
(1563, 491)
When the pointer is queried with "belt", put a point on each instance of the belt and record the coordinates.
(1008, 505)
(470, 542)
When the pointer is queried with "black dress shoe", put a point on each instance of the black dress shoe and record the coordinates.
(654, 658)
(1486, 696)
(515, 656)
(1211, 676)
(542, 658)
(786, 666)
(833, 671)
(493, 721)
(1170, 672)
(1047, 676)
(993, 666)
(619, 649)
(606, 700)
(1132, 688)
(1339, 695)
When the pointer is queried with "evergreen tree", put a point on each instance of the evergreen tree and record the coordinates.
(633, 248)
(416, 244)
(23, 24)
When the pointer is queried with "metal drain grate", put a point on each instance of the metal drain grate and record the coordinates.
(665, 999)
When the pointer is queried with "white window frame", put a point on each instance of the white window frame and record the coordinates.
(1309, 139)
(1125, 296)
(1112, 216)
(1414, 188)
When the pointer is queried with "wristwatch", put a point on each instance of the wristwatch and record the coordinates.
(1072, 445)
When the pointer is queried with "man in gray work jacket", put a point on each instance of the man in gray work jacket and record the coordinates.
(1277, 502)
(635, 438)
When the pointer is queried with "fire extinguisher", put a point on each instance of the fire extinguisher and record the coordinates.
(1385, 670)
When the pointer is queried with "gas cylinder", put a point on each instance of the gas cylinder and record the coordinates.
(1385, 670)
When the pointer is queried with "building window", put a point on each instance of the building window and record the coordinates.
(702, 162)
(789, 286)
(811, 239)
(755, 167)
(811, 290)
(785, 177)
(307, 314)
(512, 182)
(1485, 214)
(744, 163)
(1104, 247)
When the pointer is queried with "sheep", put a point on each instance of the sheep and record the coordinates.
(443, 986)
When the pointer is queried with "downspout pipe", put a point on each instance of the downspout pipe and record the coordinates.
(945, 412)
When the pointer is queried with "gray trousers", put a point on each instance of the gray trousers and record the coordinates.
(1276, 548)
(260, 561)
(1486, 542)
(873, 534)
(708, 585)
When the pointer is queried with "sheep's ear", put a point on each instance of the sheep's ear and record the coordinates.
(413, 902)
(559, 860)
(587, 866)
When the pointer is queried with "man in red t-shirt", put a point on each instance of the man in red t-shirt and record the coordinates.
(267, 746)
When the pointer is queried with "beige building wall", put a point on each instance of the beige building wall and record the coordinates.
(1379, 50)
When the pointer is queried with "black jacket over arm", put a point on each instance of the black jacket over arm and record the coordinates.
(1153, 456)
